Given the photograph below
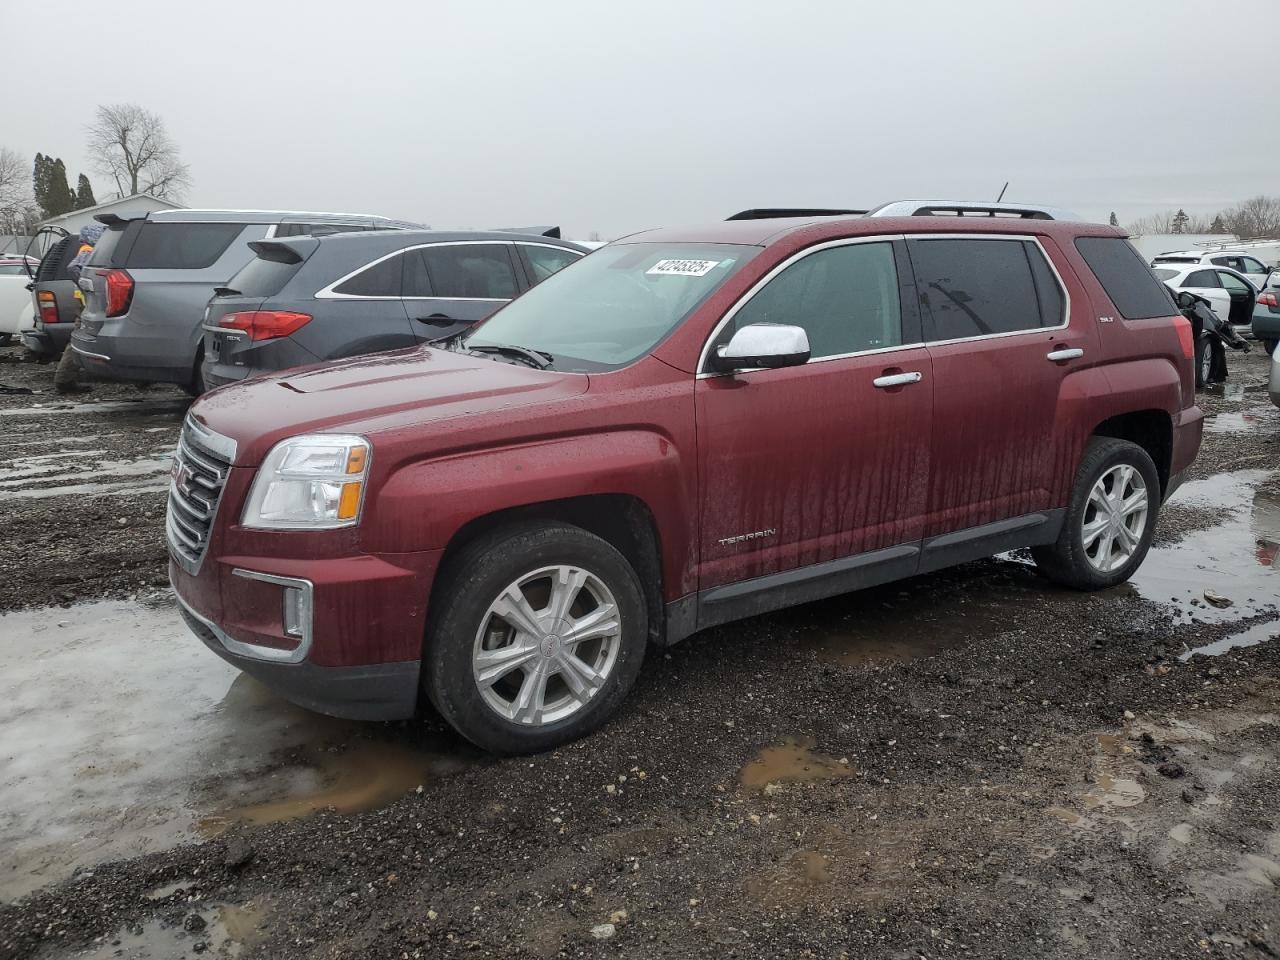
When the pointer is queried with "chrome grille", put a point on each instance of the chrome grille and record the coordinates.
(200, 468)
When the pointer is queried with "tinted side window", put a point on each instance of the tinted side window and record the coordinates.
(1202, 278)
(544, 261)
(1129, 282)
(846, 298)
(380, 280)
(1250, 265)
(975, 288)
(1234, 284)
(181, 246)
(471, 270)
(1053, 303)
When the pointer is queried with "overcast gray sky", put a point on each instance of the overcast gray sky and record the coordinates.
(616, 116)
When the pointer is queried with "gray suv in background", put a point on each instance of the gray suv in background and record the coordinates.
(150, 276)
(308, 299)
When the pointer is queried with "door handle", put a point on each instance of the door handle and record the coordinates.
(1070, 353)
(897, 379)
(438, 319)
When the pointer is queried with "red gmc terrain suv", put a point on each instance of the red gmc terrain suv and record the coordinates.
(684, 428)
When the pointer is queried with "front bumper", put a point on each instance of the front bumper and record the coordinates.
(380, 691)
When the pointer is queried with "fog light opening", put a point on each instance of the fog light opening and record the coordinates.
(292, 616)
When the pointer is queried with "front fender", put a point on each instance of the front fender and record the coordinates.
(424, 503)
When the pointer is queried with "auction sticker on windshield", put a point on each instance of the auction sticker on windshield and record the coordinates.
(682, 268)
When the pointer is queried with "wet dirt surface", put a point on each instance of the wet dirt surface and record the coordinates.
(967, 764)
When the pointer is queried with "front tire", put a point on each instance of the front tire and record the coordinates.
(1110, 520)
(1204, 362)
(536, 636)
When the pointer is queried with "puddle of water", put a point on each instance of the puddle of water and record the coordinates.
(790, 760)
(365, 777)
(39, 471)
(1234, 559)
(99, 489)
(1069, 817)
(1232, 422)
(225, 931)
(1258, 633)
(1112, 793)
(139, 732)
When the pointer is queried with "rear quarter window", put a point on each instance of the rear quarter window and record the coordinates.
(263, 278)
(1128, 281)
(181, 246)
(105, 246)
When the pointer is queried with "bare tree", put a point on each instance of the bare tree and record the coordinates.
(1170, 221)
(130, 145)
(18, 213)
(1256, 217)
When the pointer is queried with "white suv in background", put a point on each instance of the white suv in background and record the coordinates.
(1251, 268)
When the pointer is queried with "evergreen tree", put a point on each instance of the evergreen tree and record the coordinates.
(1218, 226)
(1115, 221)
(49, 184)
(84, 194)
(1180, 221)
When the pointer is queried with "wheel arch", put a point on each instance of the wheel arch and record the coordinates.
(622, 520)
(1151, 429)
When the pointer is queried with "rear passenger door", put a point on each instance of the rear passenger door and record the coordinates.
(362, 313)
(995, 318)
(449, 287)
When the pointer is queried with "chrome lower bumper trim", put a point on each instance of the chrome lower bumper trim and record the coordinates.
(90, 354)
(257, 651)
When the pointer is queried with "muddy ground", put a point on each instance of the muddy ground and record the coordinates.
(968, 764)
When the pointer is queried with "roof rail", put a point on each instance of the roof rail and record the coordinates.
(774, 213)
(969, 208)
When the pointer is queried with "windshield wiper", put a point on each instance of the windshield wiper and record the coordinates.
(538, 358)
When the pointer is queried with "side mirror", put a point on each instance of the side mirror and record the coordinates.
(767, 345)
(1185, 300)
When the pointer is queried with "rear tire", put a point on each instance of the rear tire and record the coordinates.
(502, 664)
(197, 386)
(1204, 362)
(1269, 346)
(1117, 479)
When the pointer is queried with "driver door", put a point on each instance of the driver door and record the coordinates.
(813, 477)
(1205, 283)
(1241, 296)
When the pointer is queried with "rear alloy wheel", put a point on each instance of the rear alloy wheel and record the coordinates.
(1110, 520)
(536, 635)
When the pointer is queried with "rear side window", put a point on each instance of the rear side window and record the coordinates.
(181, 246)
(382, 279)
(1202, 278)
(470, 271)
(977, 288)
(1129, 282)
(105, 246)
(1164, 273)
(544, 261)
(263, 278)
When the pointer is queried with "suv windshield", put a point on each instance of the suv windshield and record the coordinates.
(614, 305)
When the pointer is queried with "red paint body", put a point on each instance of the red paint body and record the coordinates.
(835, 466)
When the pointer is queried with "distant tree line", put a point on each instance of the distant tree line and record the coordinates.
(1256, 217)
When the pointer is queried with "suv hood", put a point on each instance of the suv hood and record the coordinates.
(369, 394)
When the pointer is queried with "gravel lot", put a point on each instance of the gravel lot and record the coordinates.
(968, 764)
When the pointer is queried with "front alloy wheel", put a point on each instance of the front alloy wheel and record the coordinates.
(546, 645)
(1115, 517)
(535, 635)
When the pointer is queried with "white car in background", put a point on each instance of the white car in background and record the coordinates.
(1231, 295)
(1251, 268)
(17, 312)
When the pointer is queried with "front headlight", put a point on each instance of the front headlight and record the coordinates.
(314, 481)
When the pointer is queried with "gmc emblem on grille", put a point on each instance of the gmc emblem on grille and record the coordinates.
(182, 477)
